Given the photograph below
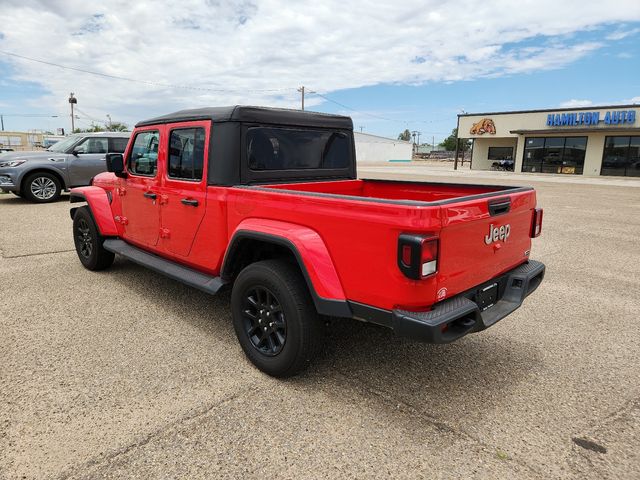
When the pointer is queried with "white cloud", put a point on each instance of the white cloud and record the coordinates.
(248, 47)
(633, 100)
(574, 103)
(620, 34)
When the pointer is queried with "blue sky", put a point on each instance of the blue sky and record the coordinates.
(414, 67)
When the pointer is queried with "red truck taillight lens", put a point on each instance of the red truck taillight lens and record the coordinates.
(417, 255)
(536, 224)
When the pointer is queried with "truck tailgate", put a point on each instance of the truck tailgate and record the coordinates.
(482, 238)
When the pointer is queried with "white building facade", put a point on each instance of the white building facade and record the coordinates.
(375, 149)
(588, 141)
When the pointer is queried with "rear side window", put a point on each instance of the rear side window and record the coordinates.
(186, 153)
(92, 145)
(291, 149)
(143, 159)
(118, 145)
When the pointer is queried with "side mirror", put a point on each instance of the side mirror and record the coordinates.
(75, 152)
(115, 164)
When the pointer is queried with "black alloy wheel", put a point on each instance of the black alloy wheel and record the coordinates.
(264, 320)
(84, 240)
(89, 242)
(274, 317)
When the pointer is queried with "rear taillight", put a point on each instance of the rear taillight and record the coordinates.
(536, 224)
(417, 255)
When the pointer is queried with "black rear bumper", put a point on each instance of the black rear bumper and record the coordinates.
(457, 316)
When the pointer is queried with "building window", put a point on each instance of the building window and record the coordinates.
(554, 155)
(502, 158)
(621, 156)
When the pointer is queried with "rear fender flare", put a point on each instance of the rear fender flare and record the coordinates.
(310, 252)
(100, 206)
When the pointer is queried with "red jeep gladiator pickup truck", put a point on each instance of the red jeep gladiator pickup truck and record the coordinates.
(267, 202)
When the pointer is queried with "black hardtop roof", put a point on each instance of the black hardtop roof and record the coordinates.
(262, 115)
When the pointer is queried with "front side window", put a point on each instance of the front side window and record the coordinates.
(143, 159)
(291, 149)
(92, 145)
(186, 153)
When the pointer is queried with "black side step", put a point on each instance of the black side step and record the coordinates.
(183, 274)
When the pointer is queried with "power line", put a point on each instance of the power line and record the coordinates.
(403, 122)
(146, 82)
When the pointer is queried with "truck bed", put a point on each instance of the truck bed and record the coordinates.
(390, 191)
(360, 222)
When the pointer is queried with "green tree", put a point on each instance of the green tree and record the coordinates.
(93, 128)
(406, 135)
(117, 127)
(449, 143)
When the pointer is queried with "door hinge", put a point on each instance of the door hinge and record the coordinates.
(122, 220)
(165, 233)
(164, 199)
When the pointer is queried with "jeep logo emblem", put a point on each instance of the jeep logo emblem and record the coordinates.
(497, 233)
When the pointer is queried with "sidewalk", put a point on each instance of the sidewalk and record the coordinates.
(445, 169)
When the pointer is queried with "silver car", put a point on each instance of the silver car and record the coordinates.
(40, 176)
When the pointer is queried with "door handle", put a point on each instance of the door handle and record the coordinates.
(150, 195)
(190, 202)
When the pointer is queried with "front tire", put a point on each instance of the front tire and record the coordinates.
(42, 187)
(88, 242)
(274, 318)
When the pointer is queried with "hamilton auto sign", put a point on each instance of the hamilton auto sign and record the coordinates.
(591, 119)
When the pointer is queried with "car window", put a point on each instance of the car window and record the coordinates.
(186, 153)
(288, 149)
(118, 144)
(92, 145)
(143, 159)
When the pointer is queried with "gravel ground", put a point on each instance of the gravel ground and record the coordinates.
(124, 373)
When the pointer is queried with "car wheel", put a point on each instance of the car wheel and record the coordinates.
(17, 194)
(42, 187)
(88, 242)
(274, 318)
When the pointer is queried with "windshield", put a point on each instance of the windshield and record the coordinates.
(63, 145)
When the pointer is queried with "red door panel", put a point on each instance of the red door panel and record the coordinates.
(141, 199)
(184, 185)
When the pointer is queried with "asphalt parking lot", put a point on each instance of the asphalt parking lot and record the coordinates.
(124, 373)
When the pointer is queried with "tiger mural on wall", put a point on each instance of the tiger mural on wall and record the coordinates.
(485, 125)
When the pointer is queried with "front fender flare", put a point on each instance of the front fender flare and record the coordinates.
(311, 254)
(100, 207)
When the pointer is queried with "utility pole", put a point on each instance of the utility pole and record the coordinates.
(301, 90)
(361, 127)
(419, 133)
(72, 102)
(413, 134)
(433, 143)
(2, 122)
(110, 122)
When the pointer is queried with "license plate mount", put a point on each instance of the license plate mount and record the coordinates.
(487, 297)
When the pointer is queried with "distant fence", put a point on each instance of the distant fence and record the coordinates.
(436, 155)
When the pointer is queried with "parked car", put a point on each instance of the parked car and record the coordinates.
(267, 202)
(40, 176)
(5, 149)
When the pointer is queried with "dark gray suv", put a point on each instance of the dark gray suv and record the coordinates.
(40, 176)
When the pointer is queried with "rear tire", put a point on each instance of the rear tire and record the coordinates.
(275, 319)
(42, 187)
(88, 242)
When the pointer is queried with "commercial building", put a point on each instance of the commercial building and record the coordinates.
(375, 149)
(588, 141)
(21, 140)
